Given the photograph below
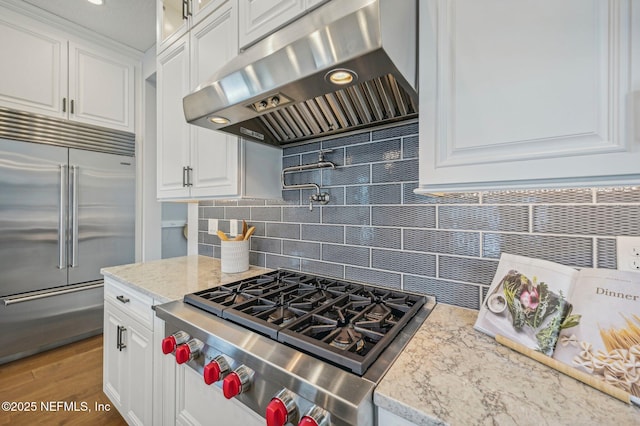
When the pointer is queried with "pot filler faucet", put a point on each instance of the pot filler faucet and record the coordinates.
(318, 197)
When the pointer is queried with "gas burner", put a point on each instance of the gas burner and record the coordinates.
(377, 312)
(346, 337)
(281, 315)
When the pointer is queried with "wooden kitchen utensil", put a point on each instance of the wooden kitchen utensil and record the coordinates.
(222, 235)
(250, 231)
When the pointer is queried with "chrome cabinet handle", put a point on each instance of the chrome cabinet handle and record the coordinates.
(189, 176)
(71, 106)
(122, 299)
(185, 9)
(120, 344)
(64, 104)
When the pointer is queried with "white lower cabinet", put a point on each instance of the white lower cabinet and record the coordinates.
(200, 404)
(528, 94)
(128, 374)
(388, 418)
(136, 377)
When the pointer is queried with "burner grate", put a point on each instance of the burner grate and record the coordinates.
(346, 323)
(355, 329)
(216, 299)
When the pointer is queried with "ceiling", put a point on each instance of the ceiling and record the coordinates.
(130, 22)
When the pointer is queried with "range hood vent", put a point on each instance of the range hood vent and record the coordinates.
(372, 102)
(279, 91)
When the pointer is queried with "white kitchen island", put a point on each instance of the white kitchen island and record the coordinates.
(141, 382)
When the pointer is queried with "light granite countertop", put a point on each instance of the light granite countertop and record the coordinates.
(450, 373)
(170, 279)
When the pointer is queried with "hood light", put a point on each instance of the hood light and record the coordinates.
(219, 120)
(341, 76)
(98, 2)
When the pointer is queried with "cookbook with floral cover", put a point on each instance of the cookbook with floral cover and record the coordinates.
(588, 319)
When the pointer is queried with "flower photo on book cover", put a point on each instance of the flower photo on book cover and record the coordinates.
(536, 309)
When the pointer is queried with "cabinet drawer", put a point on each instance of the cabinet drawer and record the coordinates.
(132, 302)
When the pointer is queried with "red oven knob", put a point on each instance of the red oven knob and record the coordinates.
(215, 370)
(307, 421)
(188, 351)
(169, 343)
(282, 409)
(236, 382)
(315, 416)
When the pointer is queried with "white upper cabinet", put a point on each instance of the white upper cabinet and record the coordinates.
(172, 16)
(101, 87)
(213, 154)
(174, 133)
(45, 72)
(260, 17)
(526, 94)
(198, 163)
(176, 17)
(33, 72)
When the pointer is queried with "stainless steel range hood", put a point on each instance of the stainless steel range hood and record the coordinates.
(278, 91)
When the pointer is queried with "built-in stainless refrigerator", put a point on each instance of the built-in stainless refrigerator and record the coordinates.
(64, 214)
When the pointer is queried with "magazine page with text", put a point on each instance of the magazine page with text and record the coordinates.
(605, 342)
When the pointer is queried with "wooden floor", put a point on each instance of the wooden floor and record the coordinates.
(71, 374)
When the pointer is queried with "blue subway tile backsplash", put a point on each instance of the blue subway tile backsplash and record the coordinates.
(375, 229)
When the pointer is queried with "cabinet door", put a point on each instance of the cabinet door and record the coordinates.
(173, 21)
(33, 70)
(173, 137)
(114, 374)
(202, 8)
(214, 155)
(139, 354)
(260, 17)
(527, 94)
(101, 86)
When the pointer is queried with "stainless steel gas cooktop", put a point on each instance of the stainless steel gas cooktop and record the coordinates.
(334, 341)
(342, 322)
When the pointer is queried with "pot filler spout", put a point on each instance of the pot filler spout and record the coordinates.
(344, 66)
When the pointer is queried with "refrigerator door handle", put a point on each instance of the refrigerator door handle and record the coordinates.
(11, 300)
(62, 226)
(74, 217)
